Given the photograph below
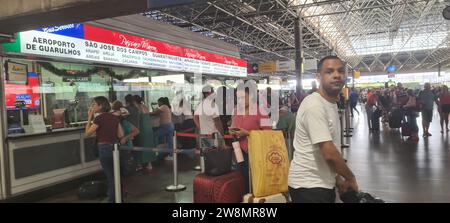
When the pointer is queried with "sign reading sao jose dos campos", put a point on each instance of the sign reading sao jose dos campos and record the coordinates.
(86, 42)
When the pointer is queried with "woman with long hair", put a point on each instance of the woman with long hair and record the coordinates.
(166, 127)
(444, 107)
(146, 137)
(108, 130)
(411, 115)
(243, 123)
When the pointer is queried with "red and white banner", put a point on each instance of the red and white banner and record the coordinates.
(87, 42)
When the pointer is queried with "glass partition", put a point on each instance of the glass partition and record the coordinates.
(57, 95)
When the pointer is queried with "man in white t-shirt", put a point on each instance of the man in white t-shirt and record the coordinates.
(317, 166)
(207, 116)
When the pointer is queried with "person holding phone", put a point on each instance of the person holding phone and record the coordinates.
(166, 127)
(242, 124)
(108, 130)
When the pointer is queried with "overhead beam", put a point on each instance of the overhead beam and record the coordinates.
(26, 15)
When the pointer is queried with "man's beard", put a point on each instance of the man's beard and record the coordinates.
(331, 92)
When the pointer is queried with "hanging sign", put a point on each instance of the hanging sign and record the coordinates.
(86, 42)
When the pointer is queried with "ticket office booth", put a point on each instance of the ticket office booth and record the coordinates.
(46, 92)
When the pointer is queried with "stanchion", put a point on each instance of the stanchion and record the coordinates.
(290, 147)
(199, 146)
(116, 163)
(175, 186)
(347, 122)
(342, 130)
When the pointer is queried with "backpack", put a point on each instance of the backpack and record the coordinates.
(359, 197)
(92, 190)
(419, 103)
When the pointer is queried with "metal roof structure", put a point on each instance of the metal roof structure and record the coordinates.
(369, 34)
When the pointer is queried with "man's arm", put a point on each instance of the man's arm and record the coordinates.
(90, 127)
(337, 163)
(218, 125)
(156, 112)
(120, 132)
(197, 121)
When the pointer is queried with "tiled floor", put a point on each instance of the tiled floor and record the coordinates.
(399, 171)
(385, 166)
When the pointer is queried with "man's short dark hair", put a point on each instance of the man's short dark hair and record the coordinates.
(331, 57)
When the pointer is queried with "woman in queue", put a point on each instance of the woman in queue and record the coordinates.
(108, 130)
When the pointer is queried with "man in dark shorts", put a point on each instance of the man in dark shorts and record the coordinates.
(427, 98)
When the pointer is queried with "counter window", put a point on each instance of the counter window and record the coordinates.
(56, 95)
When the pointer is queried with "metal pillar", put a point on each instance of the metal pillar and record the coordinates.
(347, 110)
(175, 187)
(439, 70)
(353, 78)
(117, 183)
(343, 145)
(202, 164)
(298, 53)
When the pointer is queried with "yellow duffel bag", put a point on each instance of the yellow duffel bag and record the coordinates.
(269, 162)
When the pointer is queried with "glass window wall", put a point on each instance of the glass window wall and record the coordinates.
(59, 94)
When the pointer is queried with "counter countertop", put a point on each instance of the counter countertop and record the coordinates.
(54, 131)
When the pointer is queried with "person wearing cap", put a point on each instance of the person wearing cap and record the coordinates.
(207, 116)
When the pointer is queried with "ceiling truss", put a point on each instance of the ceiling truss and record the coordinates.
(369, 34)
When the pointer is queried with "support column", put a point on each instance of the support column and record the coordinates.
(353, 78)
(439, 69)
(298, 53)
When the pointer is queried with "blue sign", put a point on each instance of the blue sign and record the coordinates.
(32, 75)
(22, 97)
(75, 30)
(391, 69)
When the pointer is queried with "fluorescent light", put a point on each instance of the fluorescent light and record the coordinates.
(137, 80)
(176, 78)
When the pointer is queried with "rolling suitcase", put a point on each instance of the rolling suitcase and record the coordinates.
(395, 119)
(376, 120)
(406, 131)
(228, 188)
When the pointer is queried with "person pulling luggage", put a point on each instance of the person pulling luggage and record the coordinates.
(318, 167)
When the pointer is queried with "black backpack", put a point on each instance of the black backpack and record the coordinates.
(92, 190)
(359, 197)
(128, 163)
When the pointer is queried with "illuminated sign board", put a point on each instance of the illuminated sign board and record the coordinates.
(86, 42)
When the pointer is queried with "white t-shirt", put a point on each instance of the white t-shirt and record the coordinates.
(186, 111)
(317, 121)
(207, 111)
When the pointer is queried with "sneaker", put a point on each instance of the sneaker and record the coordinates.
(428, 134)
(139, 168)
(148, 168)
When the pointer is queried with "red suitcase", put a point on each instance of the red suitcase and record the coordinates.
(228, 188)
